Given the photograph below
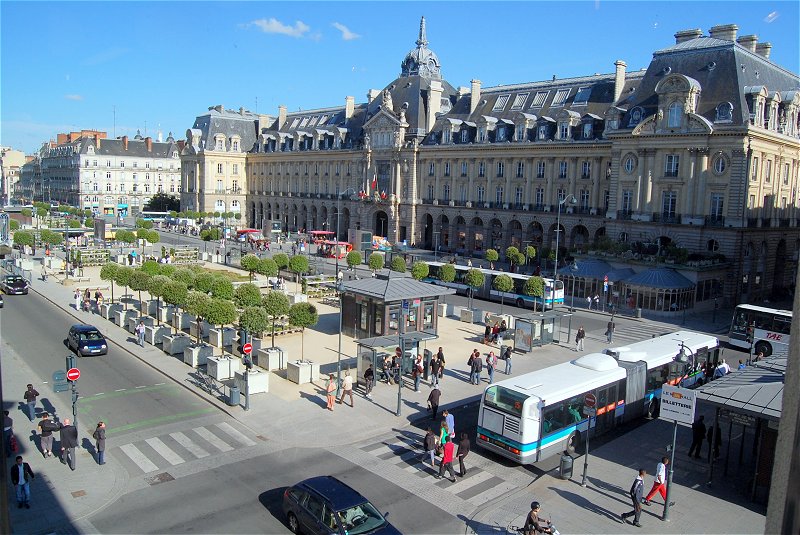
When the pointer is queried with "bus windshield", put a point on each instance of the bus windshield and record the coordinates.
(504, 399)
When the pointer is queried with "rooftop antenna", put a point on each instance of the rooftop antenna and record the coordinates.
(256, 104)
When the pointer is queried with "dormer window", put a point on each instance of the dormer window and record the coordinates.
(636, 116)
(235, 146)
(464, 136)
(587, 131)
(542, 132)
(724, 113)
(563, 130)
(481, 134)
(582, 96)
(446, 136)
(561, 97)
(501, 102)
(538, 100)
(674, 115)
(519, 101)
(521, 132)
(219, 144)
(501, 134)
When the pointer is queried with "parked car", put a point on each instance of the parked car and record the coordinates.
(86, 340)
(324, 505)
(1, 301)
(14, 285)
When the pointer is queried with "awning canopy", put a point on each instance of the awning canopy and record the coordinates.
(663, 278)
(619, 274)
(757, 390)
(589, 269)
(378, 342)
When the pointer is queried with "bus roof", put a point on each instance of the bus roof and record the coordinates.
(766, 309)
(561, 381)
(663, 349)
(485, 271)
(322, 233)
(247, 231)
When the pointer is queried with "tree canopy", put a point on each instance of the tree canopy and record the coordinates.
(267, 267)
(203, 282)
(222, 288)
(250, 263)
(109, 273)
(420, 270)
(282, 260)
(247, 295)
(24, 237)
(254, 320)
(298, 264)
(353, 259)
(447, 273)
(162, 202)
(375, 261)
(492, 255)
(398, 264)
(184, 275)
(221, 312)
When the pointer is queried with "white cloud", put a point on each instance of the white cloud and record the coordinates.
(104, 56)
(347, 35)
(73, 97)
(771, 17)
(273, 25)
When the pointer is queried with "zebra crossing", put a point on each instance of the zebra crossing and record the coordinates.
(172, 449)
(632, 333)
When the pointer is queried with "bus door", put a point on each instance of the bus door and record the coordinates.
(606, 404)
(632, 389)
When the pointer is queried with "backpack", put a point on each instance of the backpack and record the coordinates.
(494, 360)
(12, 444)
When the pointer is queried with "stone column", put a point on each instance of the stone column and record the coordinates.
(702, 176)
(690, 202)
(597, 176)
(549, 177)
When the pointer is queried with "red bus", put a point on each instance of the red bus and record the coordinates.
(317, 237)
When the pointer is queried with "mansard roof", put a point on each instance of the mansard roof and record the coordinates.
(136, 148)
(218, 120)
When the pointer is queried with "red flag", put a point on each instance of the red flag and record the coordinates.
(374, 182)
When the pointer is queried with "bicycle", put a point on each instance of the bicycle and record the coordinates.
(205, 381)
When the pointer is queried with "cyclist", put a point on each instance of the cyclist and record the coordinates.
(532, 522)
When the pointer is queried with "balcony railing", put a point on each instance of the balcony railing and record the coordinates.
(669, 218)
(624, 215)
(715, 221)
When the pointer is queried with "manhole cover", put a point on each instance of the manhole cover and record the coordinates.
(159, 478)
(262, 438)
(79, 493)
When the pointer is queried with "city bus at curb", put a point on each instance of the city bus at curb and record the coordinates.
(541, 414)
(767, 328)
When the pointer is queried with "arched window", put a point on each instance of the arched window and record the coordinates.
(636, 116)
(724, 113)
(674, 115)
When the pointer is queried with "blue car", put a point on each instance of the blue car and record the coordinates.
(86, 340)
(324, 505)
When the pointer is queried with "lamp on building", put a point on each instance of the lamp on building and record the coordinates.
(572, 201)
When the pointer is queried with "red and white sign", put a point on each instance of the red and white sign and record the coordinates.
(73, 374)
(589, 400)
(247, 348)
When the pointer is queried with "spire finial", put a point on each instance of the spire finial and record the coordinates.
(422, 41)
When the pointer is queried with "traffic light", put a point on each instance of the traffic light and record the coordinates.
(74, 396)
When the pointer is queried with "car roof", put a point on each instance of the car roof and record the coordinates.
(80, 327)
(14, 277)
(340, 495)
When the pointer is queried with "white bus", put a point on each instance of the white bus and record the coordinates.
(770, 329)
(540, 414)
(155, 217)
(514, 297)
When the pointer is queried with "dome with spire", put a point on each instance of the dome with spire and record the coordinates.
(421, 61)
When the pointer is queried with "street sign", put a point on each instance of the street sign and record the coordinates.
(677, 404)
(247, 348)
(589, 400)
(589, 411)
(73, 374)
(405, 304)
(59, 375)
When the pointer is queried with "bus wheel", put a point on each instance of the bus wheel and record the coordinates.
(520, 303)
(573, 444)
(653, 409)
(763, 347)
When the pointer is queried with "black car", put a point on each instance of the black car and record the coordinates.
(86, 340)
(1, 301)
(324, 505)
(14, 285)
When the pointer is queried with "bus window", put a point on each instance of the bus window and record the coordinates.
(562, 414)
(504, 399)
(657, 377)
(781, 324)
(763, 321)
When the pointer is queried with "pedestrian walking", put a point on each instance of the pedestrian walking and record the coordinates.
(441, 361)
(463, 450)
(450, 420)
(99, 436)
(347, 388)
(8, 431)
(139, 330)
(429, 443)
(447, 460)
(660, 484)
(387, 370)
(507, 358)
(433, 401)
(30, 396)
(698, 434)
(77, 297)
(579, 336)
(477, 368)
(610, 328)
(416, 373)
(68, 437)
(46, 428)
(636, 497)
(21, 474)
(491, 361)
(99, 299)
(330, 390)
(487, 331)
(596, 302)
(434, 377)
(589, 302)
(369, 380)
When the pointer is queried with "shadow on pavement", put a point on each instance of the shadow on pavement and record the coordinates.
(480, 527)
(583, 503)
(272, 500)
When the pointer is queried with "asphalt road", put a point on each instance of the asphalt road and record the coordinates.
(246, 497)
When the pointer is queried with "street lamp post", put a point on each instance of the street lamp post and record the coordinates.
(573, 268)
(339, 282)
(573, 201)
(680, 357)
(436, 245)
(336, 241)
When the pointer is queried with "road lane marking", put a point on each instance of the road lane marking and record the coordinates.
(170, 456)
(232, 431)
(120, 390)
(143, 386)
(162, 420)
(489, 494)
(99, 393)
(213, 439)
(471, 481)
(187, 443)
(133, 453)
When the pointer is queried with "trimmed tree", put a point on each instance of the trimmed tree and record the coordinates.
(24, 237)
(125, 236)
(447, 273)
(398, 264)
(158, 284)
(282, 260)
(221, 312)
(143, 223)
(13, 225)
(303, 315)
(247, 295)
(153, 237)
(298, 264)
(203, 282)
(254, 320)
(534, 287)
(474, 279)
(420, 270)
(139, 281)
(166, 269)
(108, 273)
(503, 283)
(150, 267)
(51, 238)
(530, 251)
(185, 276)
(492, 255)
(198, 305)
(123, 278)
(375, 262)
(267, 267)
(175, 293)
(512, 255)
(276, 304)
(353, 259)
(222, 288)
(250, 263)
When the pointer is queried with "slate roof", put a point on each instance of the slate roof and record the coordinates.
(394, 288)
(663, 278)
(136, 148)
(756, 390)
(218, 120)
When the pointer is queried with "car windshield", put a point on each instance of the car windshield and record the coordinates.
(15, 280)
(91, 336)
(361, 519)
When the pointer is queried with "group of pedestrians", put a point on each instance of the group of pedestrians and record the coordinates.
(444, 444)
(83, 301)
(494, 334)
(476, 364)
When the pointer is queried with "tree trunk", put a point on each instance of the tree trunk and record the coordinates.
(501, 302)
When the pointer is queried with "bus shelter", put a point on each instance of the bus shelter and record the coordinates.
(537, 329)
(374, 350)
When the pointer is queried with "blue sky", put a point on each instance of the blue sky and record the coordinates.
(68, 65)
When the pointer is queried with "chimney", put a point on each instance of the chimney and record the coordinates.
(749, 42)
(281, 116)
(619, 78)
(687, 35)
(349, 106)
(62, 138)
(125, 142)
(264, 122)
(372, 94)
(726, 32)
(763, 49)
(241, 110)
(220, 108)
(475, 94)
(97, 141)
(434, 102)
(148, 142)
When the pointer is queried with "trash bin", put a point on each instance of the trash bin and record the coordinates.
(233, 396)
(638, 312)
(565, 468)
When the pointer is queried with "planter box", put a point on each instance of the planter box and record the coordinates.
(121, 316)
(174, 344)
(131, 324)
(108, 310)
(302, 372)
(442, 310)
(121, 259)
(165, 313)
(467, 315)
(221, 337)
(195, 355)
(298, 298)
(154, 335)
(203, 327)
(270, 358)
(182, 320)
(257, 382)
(150, 307)
(222, 368)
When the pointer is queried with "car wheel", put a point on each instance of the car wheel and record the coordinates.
(294, 525)
(763, 347)
(520, 303)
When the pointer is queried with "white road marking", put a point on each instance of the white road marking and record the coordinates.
(464, 484)
(143, 386)
(213, 439)
(138, 457)
(232, 431)
(162, 449)
(193, 448)
(100, 394)
(120, 390)
(490, 494)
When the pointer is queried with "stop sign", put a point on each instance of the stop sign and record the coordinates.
(73, 374)
(589, 400)
(247, 348)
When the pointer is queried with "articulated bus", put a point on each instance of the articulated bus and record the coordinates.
(155, 217)
(770, 329)
(540, 414)
(516, 296)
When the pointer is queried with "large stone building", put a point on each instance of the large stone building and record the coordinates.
(10, 163)
(112, 177)
(696, 156)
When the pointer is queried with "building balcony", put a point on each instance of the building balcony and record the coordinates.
(624, 215)
(715, 221)
(667, 218)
